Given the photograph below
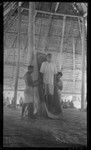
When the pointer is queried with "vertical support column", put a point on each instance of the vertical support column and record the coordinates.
(17, 69)
(47, 37)
(62, 39)
(63, 29)
(31, 37)
(83, 66)
(33, 54)
(30, 32)
(73, 65)
(79, 26)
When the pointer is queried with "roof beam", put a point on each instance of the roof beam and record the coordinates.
(50, 13)
(15, 63)
(12, 32)
(58, 14)
(56, 7)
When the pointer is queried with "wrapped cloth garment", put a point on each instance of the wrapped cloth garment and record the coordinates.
(28, 95)
(31, 91)
(48, 70)
(48, 89)
(36, 99)
(53, 102)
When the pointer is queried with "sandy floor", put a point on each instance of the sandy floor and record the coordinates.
(43, 132)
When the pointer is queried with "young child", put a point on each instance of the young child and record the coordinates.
(28, 93)
(59, 85)
(59, 82)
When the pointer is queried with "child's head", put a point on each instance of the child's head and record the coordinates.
(59, 75)
(30, 68)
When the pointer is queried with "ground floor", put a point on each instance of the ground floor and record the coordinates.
(69, 130)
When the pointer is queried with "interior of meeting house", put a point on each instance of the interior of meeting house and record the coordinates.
(45, 74)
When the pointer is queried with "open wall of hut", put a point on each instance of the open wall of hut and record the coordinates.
(55, 32)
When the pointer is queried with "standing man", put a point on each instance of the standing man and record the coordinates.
(48, 69)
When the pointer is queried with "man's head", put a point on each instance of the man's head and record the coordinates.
(48, 57)
(30, 68)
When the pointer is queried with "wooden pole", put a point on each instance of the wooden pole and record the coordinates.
(47, 37)
(50, 13)
(62, 39)
(33, 56)
(30, 33)
(79, 27)
(17, 69)
(73, 64)
(63, 29)
(57, 14)
(83, 66)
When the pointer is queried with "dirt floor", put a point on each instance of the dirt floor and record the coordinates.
(70, 130)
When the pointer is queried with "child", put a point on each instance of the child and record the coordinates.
(29, 93)
(59, 81)
(58, 86)
(21, 102)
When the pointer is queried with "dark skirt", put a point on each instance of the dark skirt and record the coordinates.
(53, 103)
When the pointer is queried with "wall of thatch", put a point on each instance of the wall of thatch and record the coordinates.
(41, 31)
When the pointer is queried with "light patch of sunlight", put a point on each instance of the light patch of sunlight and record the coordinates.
(76, 100)
(10, 95)
(77, 104)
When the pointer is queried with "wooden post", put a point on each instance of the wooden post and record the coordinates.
(79, 27)
(62, 39)
(30, 32)
(31, 37)
(63, 29)
(83, 67)
(17, 69)
(73, 65)
(47, 37)
(33, 57)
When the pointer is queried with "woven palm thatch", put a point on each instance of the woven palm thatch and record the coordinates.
(48, 33)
